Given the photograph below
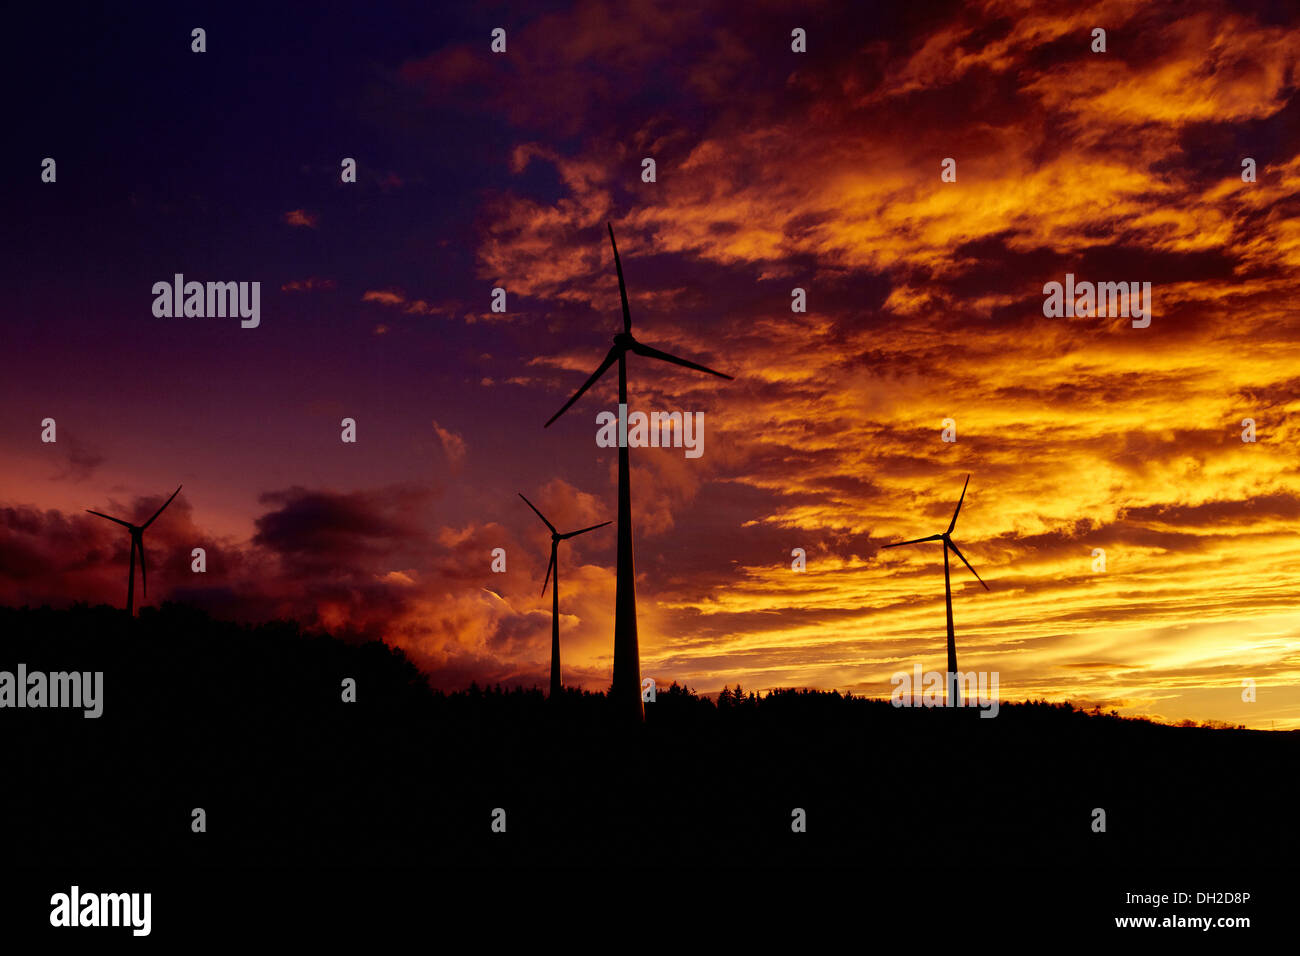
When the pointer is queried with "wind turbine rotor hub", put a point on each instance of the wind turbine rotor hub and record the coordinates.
(624, 340)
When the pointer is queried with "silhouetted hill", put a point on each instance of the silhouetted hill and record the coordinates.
(248, 723)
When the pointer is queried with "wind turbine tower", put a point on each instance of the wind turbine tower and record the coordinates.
(626, 690)
(556, 538)
(953, 692)
(137, 544)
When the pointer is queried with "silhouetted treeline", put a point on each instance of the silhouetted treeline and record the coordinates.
(248, 723)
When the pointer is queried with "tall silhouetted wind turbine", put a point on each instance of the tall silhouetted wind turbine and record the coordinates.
(627, 660)
(137, 544)
(556, 538)
(948, 543)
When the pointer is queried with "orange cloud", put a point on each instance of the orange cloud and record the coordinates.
(301, 217)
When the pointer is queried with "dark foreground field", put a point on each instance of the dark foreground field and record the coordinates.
(248, 724)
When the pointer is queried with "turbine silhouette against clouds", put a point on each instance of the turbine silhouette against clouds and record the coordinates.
(556, 538)
(952, 692)
(626, 690)
(137, 544)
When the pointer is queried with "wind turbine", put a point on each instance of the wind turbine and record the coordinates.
(556, 538)
(952, 690)
(626, 691)
(137, 544)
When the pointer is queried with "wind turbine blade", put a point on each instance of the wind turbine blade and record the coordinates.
(952, 524)
(899, 544)
(124, 524)
(622, 289)
(967, 563)
(160, 510)
(610, 359)
(138, 543)
(649, 352)
(574, 534)
(538, 513)
(548, 570)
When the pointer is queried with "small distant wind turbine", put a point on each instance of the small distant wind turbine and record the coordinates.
(626, 690)
(556, 538)
(948, 543)
(137, 544)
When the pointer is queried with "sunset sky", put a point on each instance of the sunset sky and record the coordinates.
(775, 170)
